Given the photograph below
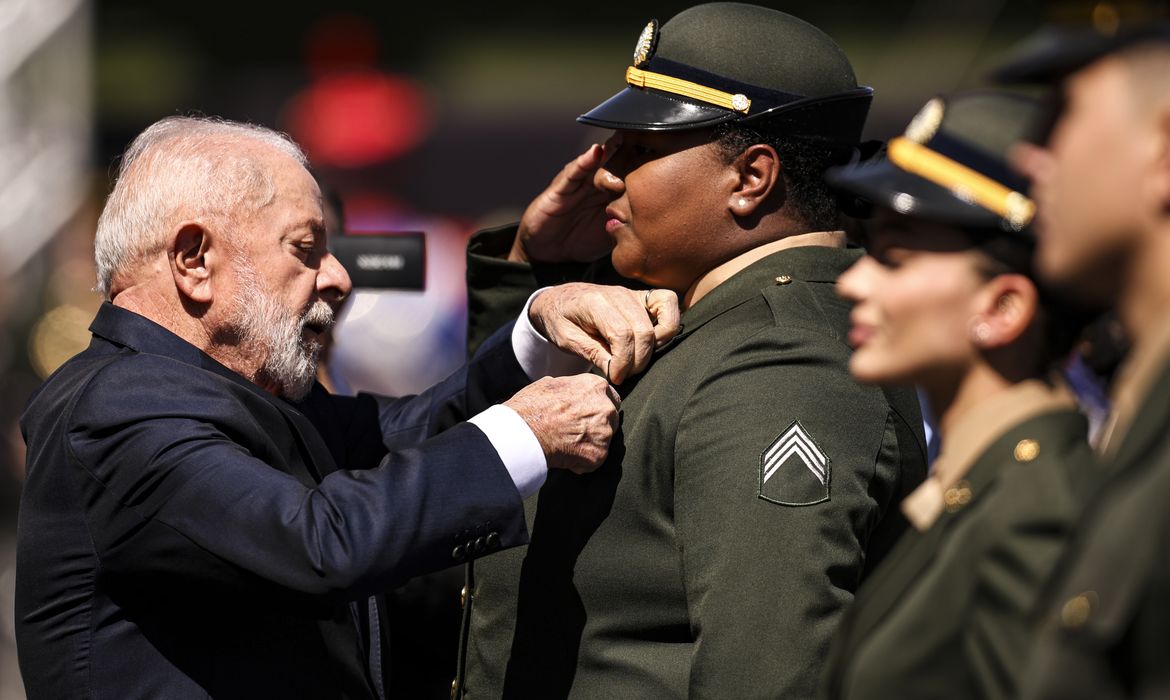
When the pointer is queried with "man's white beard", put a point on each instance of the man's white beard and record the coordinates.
(264, 326)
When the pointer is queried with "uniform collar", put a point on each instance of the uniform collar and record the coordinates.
(971, 436)
(1135, 380)
(787, 266)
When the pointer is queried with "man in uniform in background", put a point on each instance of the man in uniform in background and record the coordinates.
(1103, 187)
(752, 483)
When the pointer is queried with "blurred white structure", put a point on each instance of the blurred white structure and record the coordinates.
(46, 116)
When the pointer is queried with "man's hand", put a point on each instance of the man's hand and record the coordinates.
(615, 328)
(566, 222)
(573, 418)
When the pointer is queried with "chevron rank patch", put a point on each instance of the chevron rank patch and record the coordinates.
(794, 470)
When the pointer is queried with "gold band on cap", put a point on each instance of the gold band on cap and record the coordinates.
(964, 182)
(645, 79)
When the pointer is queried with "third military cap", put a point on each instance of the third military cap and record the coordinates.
(733, 62)
(1055, 52)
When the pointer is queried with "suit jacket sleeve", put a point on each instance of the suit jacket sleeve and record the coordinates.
(360, 429)
(772, 552)
(166, 472)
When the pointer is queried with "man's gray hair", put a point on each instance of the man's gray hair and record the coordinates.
(182, 168)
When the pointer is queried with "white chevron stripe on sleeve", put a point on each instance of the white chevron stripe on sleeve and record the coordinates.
(795, 442)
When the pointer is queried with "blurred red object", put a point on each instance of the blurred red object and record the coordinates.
(358, 118)
(352, 114)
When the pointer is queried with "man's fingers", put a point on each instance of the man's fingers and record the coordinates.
(662, 305)
(572, 417)
(583, 344)
(622, 342)
(616, 329)
(615, 397)
(626, 326)
(644, 340)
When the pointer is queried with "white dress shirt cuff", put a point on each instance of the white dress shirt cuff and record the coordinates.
(537, 356)
(517, 446)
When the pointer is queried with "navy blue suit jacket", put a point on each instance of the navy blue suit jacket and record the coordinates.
(185, 534)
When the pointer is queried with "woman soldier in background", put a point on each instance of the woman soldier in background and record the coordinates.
(945, 300)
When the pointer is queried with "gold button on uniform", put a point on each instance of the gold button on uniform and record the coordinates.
(1077, 610)
(1027, 450)
(957, 496)
(463, 597)
(783, 279)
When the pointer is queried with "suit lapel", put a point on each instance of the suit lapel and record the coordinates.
(318, 460)
(139, 333)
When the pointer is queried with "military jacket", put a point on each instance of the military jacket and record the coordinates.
(1106, 628)
(949, 613)
(750, 487)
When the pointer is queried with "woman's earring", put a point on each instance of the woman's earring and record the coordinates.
(981, 332)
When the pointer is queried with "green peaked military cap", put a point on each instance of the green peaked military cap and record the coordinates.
(1086, 31)
(733, 62)
(1055, 52)
(951, 164)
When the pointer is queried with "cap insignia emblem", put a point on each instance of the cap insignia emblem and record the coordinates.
(647, 42)
(925, 124)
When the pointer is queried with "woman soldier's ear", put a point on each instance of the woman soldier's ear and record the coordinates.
(757, 171)
(1007, 313)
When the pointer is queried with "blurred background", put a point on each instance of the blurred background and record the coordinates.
(442, 119)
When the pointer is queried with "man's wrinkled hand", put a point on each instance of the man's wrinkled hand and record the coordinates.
(566, 222)
(614, 328)
(573, 417)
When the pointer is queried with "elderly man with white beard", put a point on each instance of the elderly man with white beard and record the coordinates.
(202, 519)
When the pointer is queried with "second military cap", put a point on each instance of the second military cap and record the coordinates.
(951, 164)
(724, 62)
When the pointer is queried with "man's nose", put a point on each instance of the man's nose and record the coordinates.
(333, 281)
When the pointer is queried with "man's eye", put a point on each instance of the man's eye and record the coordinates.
(306, 250)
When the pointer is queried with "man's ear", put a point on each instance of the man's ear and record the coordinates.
(1006, 306)
(192, 260)
(758, 171)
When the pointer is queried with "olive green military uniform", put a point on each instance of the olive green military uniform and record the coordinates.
(1106, 631)
(949, 613)
(751, 486)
